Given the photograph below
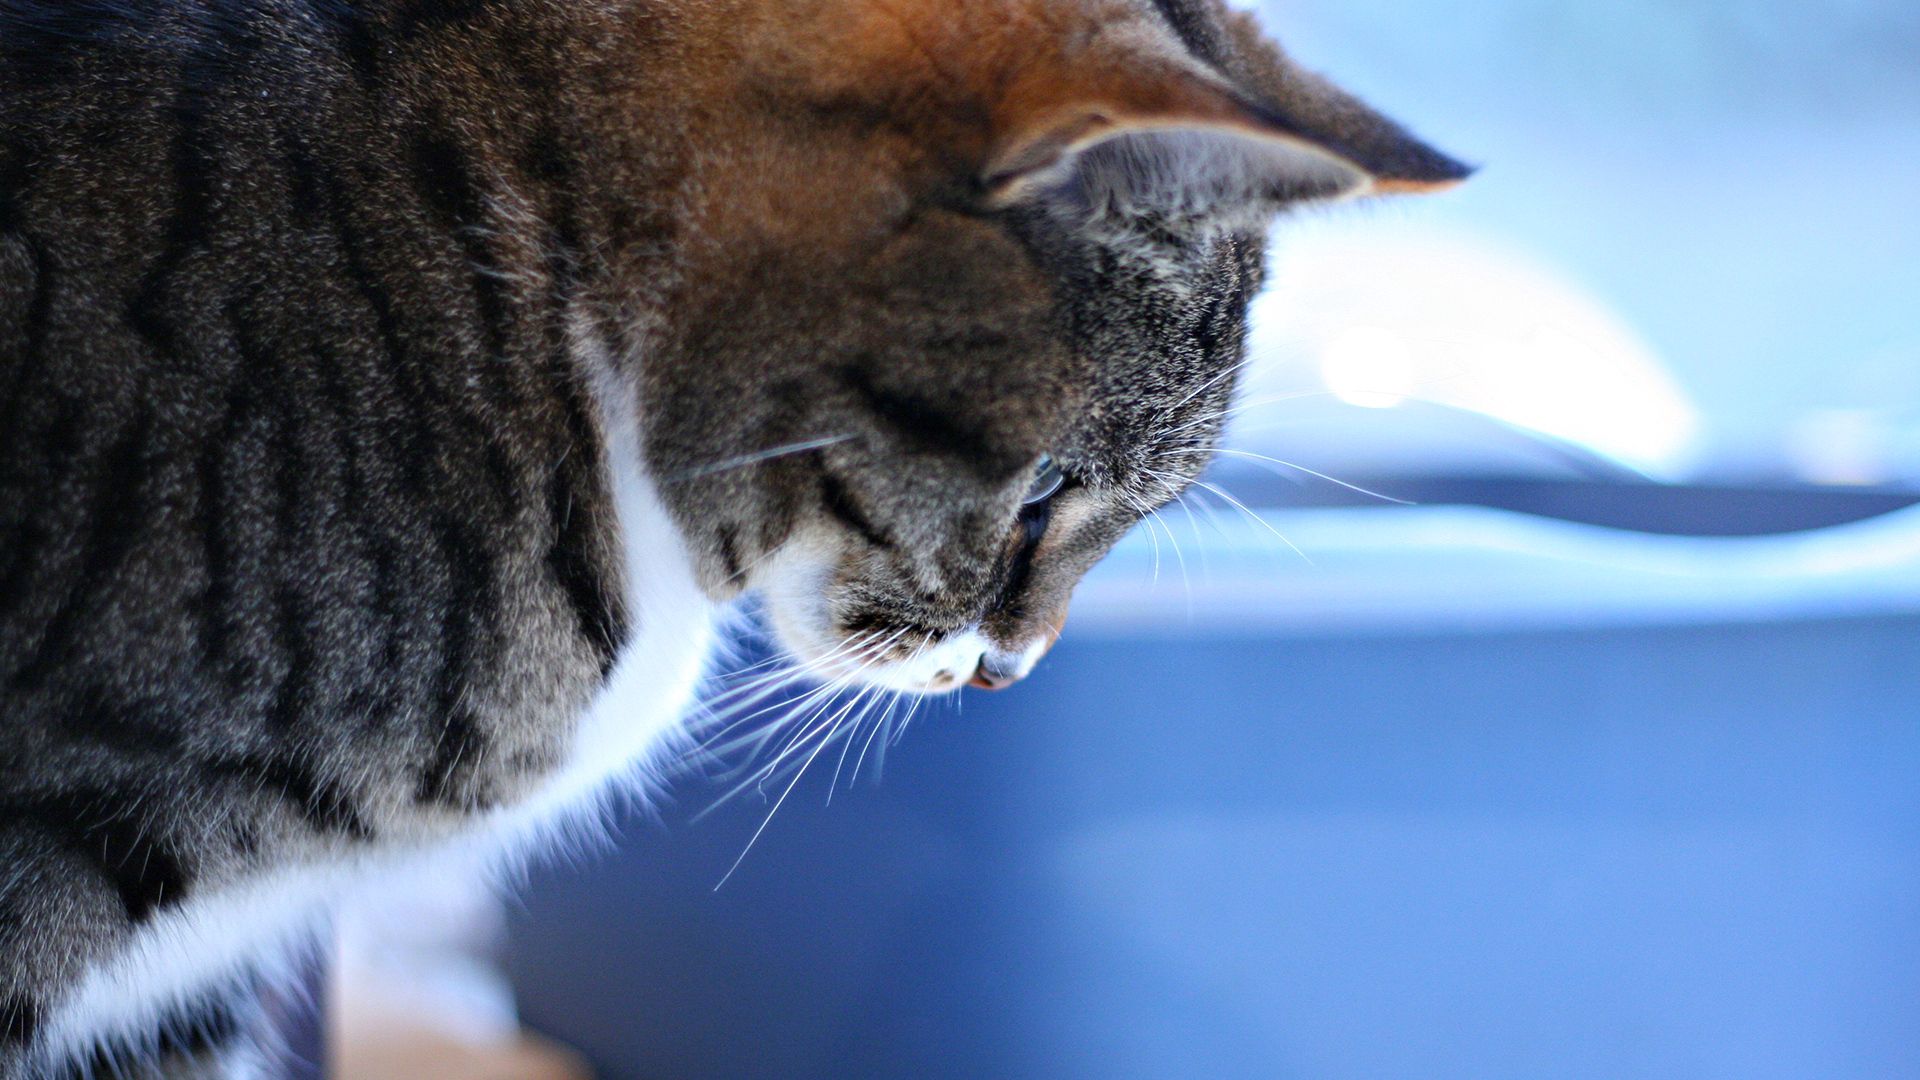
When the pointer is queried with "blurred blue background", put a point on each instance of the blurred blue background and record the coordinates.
(1729, 184)
(1595, 754)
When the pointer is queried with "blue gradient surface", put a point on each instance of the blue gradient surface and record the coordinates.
(1623, 853)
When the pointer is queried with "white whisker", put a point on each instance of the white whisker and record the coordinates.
(1208, 385)
(1199, 543)
(770, 816)
(1179, 558)
(1355, 488)
(880, 752)
(802, 722)
(853, 734)
(1244, 406)
(745, 460)
(885, 722)
(1257, 519)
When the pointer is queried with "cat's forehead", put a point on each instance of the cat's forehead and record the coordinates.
(973, 67)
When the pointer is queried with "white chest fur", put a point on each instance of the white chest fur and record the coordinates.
(634, 724)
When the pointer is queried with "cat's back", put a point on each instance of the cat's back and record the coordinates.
(296, 474)
(149, 148)
(140, 239)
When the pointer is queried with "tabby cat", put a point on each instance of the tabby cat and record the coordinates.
(388, 386)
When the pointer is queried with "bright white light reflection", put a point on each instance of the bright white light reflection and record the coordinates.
(1369, 367)
(1386, 314)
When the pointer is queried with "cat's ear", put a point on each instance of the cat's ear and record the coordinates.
(1168, 133)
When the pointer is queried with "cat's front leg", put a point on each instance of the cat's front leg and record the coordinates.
(226, 1036)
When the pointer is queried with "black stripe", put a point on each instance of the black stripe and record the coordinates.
(459, 743)
(293, 636)
(469, 610)
(61, 454)
(119, 516)
(929, 426)
(325, 806)
(349, 26)
(570, 500)
(730, 552)
(574, 487)
(457, 752)
(550, 161)
(450, 191)
(96, 825)
(134, 730)
(469, 607)
(462, 551)
(39, 320)
(841, 504)
(294, 483)
(337, 200)
(553, 166)
(303, 187)
(777, 520)
(446, 183)
(13, 184)
(19, 1019)
(373, 696)
(194, 159)
(416, 431)
(1190, 22)
(1214, 325)
(218, 615)
(21, 552)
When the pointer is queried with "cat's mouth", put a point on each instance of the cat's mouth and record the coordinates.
(935, 664)
(910, 660)
(902, 658)
(898, 658)
(923, 663)
(878, 648)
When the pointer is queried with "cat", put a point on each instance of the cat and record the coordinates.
(392, 391)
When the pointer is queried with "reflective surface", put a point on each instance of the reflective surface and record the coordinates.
(1635, 852)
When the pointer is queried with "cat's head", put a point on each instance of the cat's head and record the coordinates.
(965, 298)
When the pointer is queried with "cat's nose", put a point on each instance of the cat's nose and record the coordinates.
(997, 672)
(1000, 669)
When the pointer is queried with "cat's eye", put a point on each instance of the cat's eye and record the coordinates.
(1047, 482)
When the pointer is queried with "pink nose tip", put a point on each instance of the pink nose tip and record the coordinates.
(991, 678)
(999, 670)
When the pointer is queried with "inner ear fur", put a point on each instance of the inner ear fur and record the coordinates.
(1192, 172)
(1175, 135)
